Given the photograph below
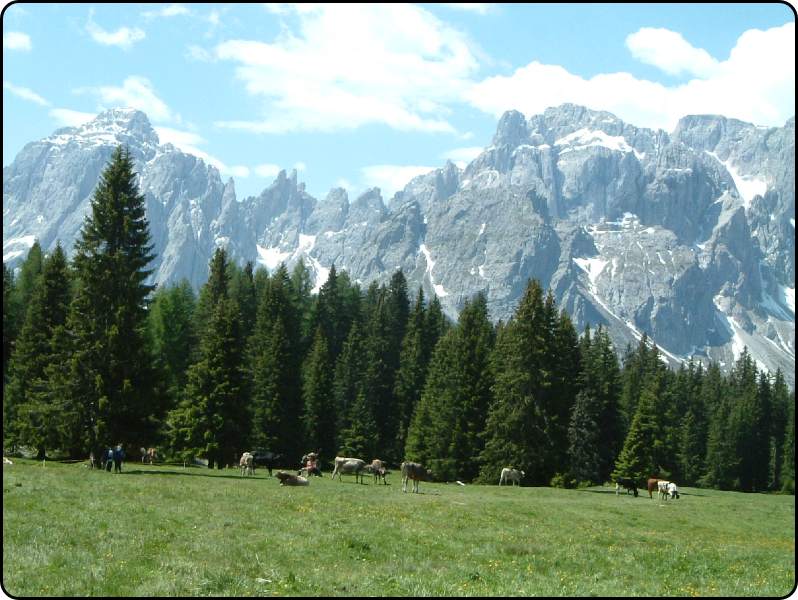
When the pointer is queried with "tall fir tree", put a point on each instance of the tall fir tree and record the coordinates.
(112, 366)
(319, 416)
(788, 464)
(34, 417)
(584, 440)
(638, 459)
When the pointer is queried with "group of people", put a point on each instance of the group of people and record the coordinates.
(310, 464)
(110, 457)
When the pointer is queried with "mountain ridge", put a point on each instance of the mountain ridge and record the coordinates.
(687, 236)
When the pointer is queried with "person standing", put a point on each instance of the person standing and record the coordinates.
(109, 458)
(119, 454)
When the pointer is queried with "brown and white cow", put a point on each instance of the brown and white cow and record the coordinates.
(416, 472)
(290, 479)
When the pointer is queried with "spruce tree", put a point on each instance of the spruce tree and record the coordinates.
(319, 416)
(643, 444)
(33, 407)
(112, 365)
(583, 440)
(348, 380)
(788, 466)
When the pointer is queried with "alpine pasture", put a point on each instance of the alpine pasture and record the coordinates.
(164, 530)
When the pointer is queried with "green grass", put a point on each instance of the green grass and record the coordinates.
(174, 531)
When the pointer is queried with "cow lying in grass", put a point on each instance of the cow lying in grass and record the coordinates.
(628, 484)
(290, 479)
(247, 464)
(512, 475)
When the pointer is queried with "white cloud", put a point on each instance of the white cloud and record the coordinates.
(463, 155)
(300, 166)
(16, 40)
(25, 93)
(391, 178)
(198, 53)
(267, 170)
(338, 70)
(70, 118)
(755, 84)
(136, 92)
(669, 51)
(481, 8)
(124, 37)
(173, 10)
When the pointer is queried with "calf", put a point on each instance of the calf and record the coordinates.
(627, 483)
(416, 472)
(378, 470)
(349, 466)
(247, 463)
(513, 475)
(290, 479)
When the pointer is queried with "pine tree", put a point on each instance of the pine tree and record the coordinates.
(348, 380)
(112, 366)
(583, 440)
(319, 414)
(788, 466)
(32, 407)
(780, 398)
(9, 318)
(642, 446)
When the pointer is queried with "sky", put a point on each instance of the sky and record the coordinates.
(371, 95)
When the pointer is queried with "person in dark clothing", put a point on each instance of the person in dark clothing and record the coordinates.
(118, 455)
(109, 459)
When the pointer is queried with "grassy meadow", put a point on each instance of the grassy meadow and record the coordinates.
(161, 530)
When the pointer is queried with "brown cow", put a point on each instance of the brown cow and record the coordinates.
(416, 472)
(652, 486)
(378, 470)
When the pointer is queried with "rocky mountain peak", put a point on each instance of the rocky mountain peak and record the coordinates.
(511, 130)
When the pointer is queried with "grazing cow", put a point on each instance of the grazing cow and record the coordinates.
(673, 490)
(377, 468)
(662, 489)
(247, 463)
(652, 486)
(349, 466)
(291, 479)
(626, 483)
(148, 455)
(416, 472)
(513, 475)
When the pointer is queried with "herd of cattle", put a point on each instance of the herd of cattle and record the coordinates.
(410, 471)
(665, 489)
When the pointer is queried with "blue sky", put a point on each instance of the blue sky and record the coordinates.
(364, 95)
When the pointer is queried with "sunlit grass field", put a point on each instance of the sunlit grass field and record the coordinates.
(161, 530)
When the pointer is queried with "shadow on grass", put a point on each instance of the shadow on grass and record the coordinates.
(192, 474)
(642, 495)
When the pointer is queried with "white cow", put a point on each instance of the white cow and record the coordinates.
(513, 475)
(290, 479)
(349, 466)
(247, 463)
(416, 472)
(673, 490)
(662, 489)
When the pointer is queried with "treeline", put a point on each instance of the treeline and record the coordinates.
(93, 356)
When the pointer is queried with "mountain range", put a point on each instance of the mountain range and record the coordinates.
(686, 236)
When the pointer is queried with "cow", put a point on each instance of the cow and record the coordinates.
(247, 463)
(416, 472)
(673, 490)
(626, 483)
(148, 455)
(377, 468)
(513, 475)
(652, 486)
(662, 489)
(291, 479)
(350, 466)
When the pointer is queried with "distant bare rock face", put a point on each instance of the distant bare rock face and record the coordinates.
(688, 236)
